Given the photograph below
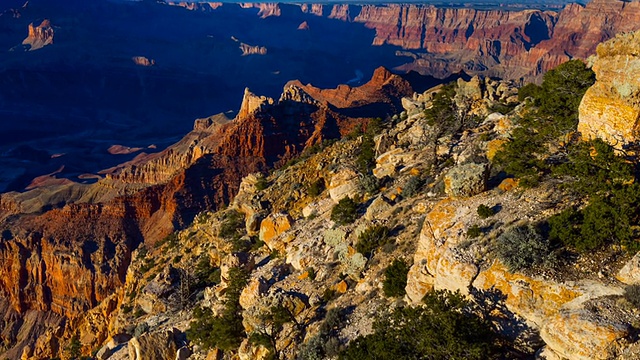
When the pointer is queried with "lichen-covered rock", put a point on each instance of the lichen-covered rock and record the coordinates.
(466, 180)
(273, 226)
(247, 351)
(583, 335)
(610, 109)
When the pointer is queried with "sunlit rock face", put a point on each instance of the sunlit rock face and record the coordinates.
(610, 109)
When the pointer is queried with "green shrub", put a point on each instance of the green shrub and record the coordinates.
(413, 186)
(205, 273)
(555, 115)
(226, 330)
(632, 294)
(523, 247)
(366, 160)
(474, 232)
(484, 211)
(326, 344)
(395, 280)
(74, 348)
(316, 188)
(370, 184)
(233, 226)
(371, 239)
(442, 329)
(262, 183)
(344, 212)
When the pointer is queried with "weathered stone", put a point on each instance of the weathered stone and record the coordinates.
(249, 352)
(582, 335)
(344, 183)
(508, 184)
(318, 207)
(273, 226)
(610, 109)
(253, 292)
(630, 272)
(152, 346)
(378, 206)
(466, 180)
(493, 146)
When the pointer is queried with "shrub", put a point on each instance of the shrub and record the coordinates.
(316, 188)
(484, 211)
(205, 273)
(395, 280)
(474, 232)
(413, 186)
(326, 343)
(262, 183)
(370, 184)
(442, 329)
(557, 101)
(226, 330)
(522, 247)
(366, 160)
(632, 295)
(371, 239)
(232, 227)
(344, 212)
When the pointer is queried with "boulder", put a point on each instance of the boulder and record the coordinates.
(152, 346)
(630, 272)
(378, 206)
(610, 109)
(466, 180)
(344, 183)
(272, 227)
(582, 335)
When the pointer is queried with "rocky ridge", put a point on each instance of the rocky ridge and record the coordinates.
(39, 36)
(305, 255)
(60, 269)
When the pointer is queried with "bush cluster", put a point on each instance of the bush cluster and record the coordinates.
(554, 115)
(395, 279)
(326, 344)
(484, 211)
(345, 211)
(316, 188)
(523, 247)
(443, 329)
(371, 239)
(226, 330)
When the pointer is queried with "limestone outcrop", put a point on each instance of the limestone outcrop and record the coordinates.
(610, 109)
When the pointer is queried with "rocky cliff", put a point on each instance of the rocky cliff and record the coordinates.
(39, 36)
(64, 262)
(510, 44)
(610, 109)
(299, 258)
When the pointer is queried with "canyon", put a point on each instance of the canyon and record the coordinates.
(79, 210)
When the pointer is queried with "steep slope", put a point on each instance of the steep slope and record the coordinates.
(63, 262)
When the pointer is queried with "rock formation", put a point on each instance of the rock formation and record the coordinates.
(610, 109)
(252, 50)
(62, 263)
(514, 44)
(143, 61)
(39, 36)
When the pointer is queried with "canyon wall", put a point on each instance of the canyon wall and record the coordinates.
(60, 263)
(511, 44)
